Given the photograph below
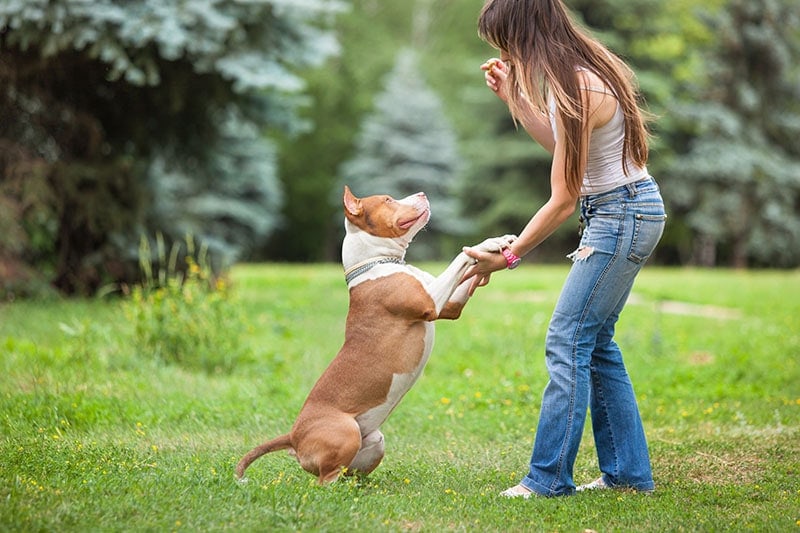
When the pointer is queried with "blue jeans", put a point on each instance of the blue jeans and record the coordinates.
(585, 365)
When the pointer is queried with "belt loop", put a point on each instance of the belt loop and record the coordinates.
(631, 189)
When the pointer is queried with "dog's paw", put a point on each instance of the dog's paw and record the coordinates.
(508, 239)
(495, 244)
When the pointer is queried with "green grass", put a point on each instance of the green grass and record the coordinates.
(97, 437)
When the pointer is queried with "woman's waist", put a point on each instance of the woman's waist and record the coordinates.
(641, 186)
(595, 183)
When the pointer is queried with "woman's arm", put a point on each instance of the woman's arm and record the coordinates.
(562, 203)
(558, 208)
(536, 123)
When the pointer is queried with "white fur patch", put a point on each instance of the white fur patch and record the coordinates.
(401, 384)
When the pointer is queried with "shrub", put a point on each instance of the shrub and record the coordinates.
(186, 316)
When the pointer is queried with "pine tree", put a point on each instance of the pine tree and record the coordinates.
(146, 116)
(738, 181)
(407, 146)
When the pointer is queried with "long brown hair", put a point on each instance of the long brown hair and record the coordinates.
(545, 47)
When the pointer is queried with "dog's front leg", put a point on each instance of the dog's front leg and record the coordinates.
(452, 310)
(442, 288)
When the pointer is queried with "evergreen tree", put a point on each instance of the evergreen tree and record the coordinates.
(407, 146)
(342, 91)
(230, 215)
(145, 115)
(739, 187)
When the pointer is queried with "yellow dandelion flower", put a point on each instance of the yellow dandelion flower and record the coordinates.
(445, 401)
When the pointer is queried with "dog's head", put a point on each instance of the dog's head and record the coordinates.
(380, 225)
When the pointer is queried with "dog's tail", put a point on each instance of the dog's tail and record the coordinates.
(278, 443)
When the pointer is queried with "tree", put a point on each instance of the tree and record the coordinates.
(119, 118)
(741, 166)
(407, 146)
(341, 93)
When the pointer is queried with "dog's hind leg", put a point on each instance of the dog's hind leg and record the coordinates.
(329, 448)
(370, 455)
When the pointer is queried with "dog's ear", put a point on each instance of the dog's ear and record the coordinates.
(351, 204)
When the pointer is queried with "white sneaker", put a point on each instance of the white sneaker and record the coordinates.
(518, 491)
(594, 485)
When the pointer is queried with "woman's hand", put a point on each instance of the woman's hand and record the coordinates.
(481, 270)
(495, 71)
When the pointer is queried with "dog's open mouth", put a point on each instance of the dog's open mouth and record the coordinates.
(407, 223)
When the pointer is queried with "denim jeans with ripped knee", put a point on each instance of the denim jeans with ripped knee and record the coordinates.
(584, 363)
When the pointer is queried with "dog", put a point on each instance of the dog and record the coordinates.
(388, 338)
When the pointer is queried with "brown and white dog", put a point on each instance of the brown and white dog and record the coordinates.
(388, 338)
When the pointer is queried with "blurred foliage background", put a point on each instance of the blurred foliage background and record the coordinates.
(239, 122)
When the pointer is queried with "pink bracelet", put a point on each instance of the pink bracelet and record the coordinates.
(512, 260)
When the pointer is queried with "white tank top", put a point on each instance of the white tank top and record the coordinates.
(604, 169)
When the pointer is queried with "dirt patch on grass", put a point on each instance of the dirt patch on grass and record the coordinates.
(704, 311)
(717, 468)
(726, 468)
(701, 358)
(672, 307)
(743, 460)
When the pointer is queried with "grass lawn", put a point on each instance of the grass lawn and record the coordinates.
(98, 435)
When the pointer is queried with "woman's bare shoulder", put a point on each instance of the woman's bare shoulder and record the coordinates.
(600, 98)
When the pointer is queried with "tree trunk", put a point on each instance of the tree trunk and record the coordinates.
(704, 251)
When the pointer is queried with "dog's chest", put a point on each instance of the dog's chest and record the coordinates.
(394, 302)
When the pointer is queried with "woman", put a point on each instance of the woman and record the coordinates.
(578, 101)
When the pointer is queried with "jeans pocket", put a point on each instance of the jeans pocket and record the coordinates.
(647, 230)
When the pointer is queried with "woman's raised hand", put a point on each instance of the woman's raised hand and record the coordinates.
(495, 71)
